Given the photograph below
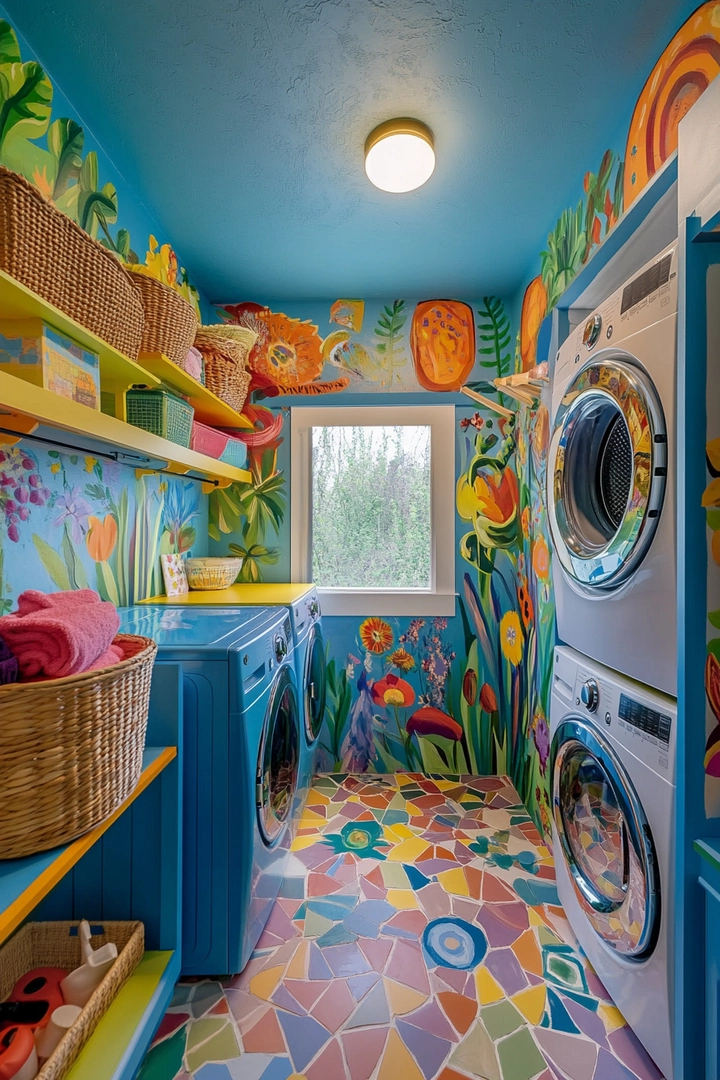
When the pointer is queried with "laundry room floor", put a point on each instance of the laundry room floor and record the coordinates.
(418, 937)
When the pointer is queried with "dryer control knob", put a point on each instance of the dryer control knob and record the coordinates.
(280, 648)
(590, 695)
(591, 333)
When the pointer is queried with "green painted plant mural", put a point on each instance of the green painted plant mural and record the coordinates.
(390, 346)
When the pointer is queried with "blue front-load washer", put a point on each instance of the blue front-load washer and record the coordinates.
(242, 740)
(310, 665)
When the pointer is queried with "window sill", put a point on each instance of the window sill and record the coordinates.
(385, 602)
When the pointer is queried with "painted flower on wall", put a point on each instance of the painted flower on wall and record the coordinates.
(20, 488)
(541, 558)
(358, 746)
(488, 698)
(432, 721)
(376, 635)
(490, 501)
(392, 690)
(180, 509)
(401, 659)
(74, 512)
(511, 637)
(101, 537)
(541, 738)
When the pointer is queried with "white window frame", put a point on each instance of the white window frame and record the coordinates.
(439, 599)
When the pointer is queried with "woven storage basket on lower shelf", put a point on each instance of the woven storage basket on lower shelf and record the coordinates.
(43, 945)
(170, 321)
(50, 254)
(225, 349)
(71, 749)
(160, 413)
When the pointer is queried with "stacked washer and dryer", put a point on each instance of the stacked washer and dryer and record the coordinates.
(611, 512)
(253, 702)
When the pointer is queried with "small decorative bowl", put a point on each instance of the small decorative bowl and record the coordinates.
(207, 573)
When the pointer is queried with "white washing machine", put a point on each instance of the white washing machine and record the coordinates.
(611, 479)
(613, 796)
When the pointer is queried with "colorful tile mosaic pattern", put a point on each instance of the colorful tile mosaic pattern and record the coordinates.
(418, 937)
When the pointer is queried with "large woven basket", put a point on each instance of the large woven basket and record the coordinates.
(225, 349)
(51, 944)
(170, 321)
(50, 254)
(71, 749)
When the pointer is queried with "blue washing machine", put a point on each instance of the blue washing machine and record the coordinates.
(310, 667)
(242, 745)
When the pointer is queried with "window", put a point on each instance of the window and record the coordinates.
(373, 513)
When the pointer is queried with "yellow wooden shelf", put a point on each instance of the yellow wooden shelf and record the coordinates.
(19, 398)
(260, 594)
(117, 371)
(24, 882)
(111, 1045)
(209, 409)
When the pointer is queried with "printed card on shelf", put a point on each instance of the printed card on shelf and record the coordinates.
(173, 568)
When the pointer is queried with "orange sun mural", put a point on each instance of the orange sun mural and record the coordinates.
(684, 71)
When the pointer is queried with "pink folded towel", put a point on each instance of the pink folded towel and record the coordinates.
(62, 637)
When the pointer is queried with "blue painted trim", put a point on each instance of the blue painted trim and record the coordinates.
(693, 265)
(710, 225)
(376, 400)
(143, 1035)
(631, 220)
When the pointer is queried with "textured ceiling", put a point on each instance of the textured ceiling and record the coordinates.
(242, 122)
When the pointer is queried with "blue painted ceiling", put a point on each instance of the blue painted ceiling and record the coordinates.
(243, 123)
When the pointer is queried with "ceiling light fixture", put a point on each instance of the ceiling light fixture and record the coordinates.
(399, 155)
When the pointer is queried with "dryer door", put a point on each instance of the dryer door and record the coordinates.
(605, 840)
(277, 772)
(314, 684)
(606, 472)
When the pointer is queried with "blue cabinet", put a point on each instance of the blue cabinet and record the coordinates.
(710, 881)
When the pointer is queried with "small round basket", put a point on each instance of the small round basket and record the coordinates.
(212, 573)
(71, 749)
(170, 321)
(225, 349)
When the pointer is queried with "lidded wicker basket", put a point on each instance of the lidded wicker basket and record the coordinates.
(57, 945)
(225, 349)
(71, 749)
(49, 253)
(170, 321)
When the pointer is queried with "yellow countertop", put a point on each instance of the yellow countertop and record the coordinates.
(262, 594)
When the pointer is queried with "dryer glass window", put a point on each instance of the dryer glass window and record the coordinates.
(314, 686)
(279, 753)
(594, 826)
(598, 475)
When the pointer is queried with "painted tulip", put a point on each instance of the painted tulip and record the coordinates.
(488, 700)
(432, 721)
(101, 538)
(392, 690)
(490, 500)
(469, 686)
(712, 683)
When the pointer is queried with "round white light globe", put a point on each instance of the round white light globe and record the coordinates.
(400, 162)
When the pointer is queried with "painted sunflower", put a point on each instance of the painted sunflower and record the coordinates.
(376, 635)
(541, 558)
(511, 637)
(401, 659)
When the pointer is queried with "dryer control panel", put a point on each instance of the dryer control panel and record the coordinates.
(638, 719)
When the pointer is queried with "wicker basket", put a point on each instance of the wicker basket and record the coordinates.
(71, 749)
(170, 321)
(46, 251)
(212, 573)
(160, 413)
(51, 944)
(225, 349)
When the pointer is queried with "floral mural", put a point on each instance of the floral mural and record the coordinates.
(50, 151)
(73, 521)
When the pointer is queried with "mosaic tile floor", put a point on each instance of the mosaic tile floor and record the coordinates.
(418, 937)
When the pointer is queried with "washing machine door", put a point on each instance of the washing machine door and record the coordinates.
(277, 772)
(605, 840)
(314, 684)
(607, 470)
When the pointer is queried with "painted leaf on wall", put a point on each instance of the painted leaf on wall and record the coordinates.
(25, 104)
(65, 142)
(52, 562)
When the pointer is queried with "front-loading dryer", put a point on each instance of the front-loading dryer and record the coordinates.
(611, 479)
(613, 796)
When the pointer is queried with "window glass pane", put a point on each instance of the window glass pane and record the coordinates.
(371, 523)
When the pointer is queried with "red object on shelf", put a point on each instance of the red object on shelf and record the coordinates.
(17, 1044)
(207, 440)
(41, 984)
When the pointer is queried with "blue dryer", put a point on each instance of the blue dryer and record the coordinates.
(242, 743)
(310, 665)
